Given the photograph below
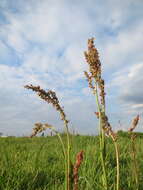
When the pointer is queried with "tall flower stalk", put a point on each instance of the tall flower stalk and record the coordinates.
(51, 98)
(96, 83)
(133, 150)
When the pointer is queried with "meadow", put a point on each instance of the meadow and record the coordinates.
(37, 163)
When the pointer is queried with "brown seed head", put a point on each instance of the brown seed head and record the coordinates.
(134, 123)
(102, 92)
(50, 97)
(79, 159)
(37, 129)
(92, 59)
(89, 79)
(107, 127)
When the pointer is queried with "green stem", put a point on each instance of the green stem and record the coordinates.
(64, 152)
(135, 163)
(68, 156)
(117, 163)
(61, 141)
(102, 140)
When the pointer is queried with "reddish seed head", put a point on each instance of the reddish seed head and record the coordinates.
(134, 123)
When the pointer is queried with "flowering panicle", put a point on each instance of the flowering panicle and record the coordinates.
(92, 58)
(95, 81)
(50, 97)
(79, 159)
(39, 127)
(102, 91)
(106, 126)
(134, 123)
(89, 79)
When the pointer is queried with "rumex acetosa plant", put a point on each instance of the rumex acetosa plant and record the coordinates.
(96, 83)
(133, 151)
(71, 171)
(51, 98)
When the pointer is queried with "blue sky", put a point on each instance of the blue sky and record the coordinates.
(42, 42)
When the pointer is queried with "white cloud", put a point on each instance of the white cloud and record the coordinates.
(128, 96)
(125, 49)
(48, 39)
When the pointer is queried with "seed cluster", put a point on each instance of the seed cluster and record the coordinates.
(92, 59)
(134, 123)
(79, 159)
(107, 127)
(95, 81)
(50, 97)
(39, 127)
(89, 79)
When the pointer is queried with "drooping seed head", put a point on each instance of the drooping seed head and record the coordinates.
(51, 98)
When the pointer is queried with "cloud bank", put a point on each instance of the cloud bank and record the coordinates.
(42, 42)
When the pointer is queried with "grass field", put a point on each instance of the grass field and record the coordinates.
(37, 163)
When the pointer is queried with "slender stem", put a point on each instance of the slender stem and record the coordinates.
(102, 139)
(68, 156)
(61, 141)
(135, 163)
(64, 152)
(117, 163)
(65, 156)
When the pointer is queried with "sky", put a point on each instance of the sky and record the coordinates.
(42, 43)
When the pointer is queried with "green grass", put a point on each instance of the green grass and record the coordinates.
(38, 164)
